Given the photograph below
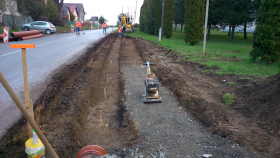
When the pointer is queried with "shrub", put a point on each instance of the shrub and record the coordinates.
(228, 98)
(266, 39)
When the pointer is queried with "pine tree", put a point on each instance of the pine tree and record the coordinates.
(266, 38)
(150, 29)
(158, 12)
(168, 18)
(52, 10)
(194, 17)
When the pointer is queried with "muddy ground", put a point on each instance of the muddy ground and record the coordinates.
(97, 100)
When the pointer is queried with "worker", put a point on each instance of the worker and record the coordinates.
(78, 27)
(104, 26)
(120, 32)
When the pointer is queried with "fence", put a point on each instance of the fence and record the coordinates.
(15, 22)
(69, 22)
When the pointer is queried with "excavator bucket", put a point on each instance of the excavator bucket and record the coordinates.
(128, 30)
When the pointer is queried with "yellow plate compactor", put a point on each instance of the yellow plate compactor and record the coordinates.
(151, 87)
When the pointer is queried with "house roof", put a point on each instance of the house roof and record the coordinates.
(78, 5)
(94, 18)
(71, 7)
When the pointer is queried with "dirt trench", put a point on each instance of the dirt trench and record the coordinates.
(73, 112)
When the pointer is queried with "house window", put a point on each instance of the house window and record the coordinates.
(64, 11)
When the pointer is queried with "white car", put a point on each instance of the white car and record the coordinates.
(42, 26)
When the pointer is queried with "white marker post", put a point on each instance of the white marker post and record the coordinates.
(205, 28)
(91, 26)
(6, 35)
(72, 28)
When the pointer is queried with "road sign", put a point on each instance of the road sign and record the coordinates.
(6, 35)
(72, 28)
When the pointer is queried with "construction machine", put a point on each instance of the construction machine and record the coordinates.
(125, 21)
(151, 94)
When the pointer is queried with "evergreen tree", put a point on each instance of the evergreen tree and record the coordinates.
(52, 10)
(194, 17)
(101, 20)
(150, 27)
(157, 18)
(143, 16)
(266, 38)
(35, 8)
(168, 18)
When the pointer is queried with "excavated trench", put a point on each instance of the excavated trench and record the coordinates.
(97, 101)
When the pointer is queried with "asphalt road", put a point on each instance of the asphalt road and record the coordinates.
(51, 52)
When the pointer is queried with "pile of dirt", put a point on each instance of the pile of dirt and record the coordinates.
(202, 95)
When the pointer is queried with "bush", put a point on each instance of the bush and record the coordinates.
(136, 25)
(43, 18)
(267, 34)
(59, 22)
(228, 98)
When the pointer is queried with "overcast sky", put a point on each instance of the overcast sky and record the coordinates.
(109, 9)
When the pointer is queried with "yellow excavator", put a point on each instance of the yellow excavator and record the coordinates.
(125, 21)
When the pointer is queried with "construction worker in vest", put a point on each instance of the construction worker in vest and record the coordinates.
(78, 27)
(120, 32)
(104, 26)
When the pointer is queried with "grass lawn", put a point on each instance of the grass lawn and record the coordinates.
(231, 57)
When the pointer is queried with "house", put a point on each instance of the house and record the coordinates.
(80, 10)
(94, 20)
(73, 10)
(66, 13)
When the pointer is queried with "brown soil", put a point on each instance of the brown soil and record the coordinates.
(252, 120)
(73, 112)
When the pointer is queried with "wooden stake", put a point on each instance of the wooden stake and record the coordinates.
(31, 113)
(25, 78)
(105, 93)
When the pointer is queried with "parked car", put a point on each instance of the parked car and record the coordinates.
(42, 26)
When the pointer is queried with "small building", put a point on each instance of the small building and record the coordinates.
(80, 10)
(94, 20)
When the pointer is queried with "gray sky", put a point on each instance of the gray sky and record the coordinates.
(109, 9)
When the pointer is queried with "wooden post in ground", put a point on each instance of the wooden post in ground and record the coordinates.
(25, 80)
(31, 113)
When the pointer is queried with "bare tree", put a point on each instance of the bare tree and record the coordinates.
(2, 8)
(14, 19)
(59, 4)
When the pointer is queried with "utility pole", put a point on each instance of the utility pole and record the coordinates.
(162, 17)
(135, 13)
(205, 28)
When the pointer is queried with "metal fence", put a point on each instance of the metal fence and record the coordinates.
(69, 22)
(15, 22)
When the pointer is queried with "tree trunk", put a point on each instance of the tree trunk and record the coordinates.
(182, 25)
(245, 33)
(229, 30)
(208, 34)
(232, 33)
(175, 27)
